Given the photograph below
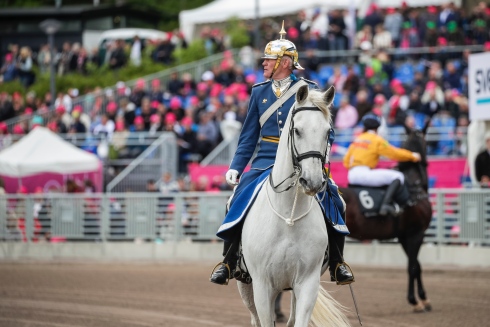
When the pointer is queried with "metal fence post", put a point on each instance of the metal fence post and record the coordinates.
(104, 217)
(179, 202)
(28, 218)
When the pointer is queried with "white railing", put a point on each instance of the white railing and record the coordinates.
(460, 217)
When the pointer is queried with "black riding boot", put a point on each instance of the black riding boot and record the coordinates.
(339, 271)
(226, 268)
(387, 207)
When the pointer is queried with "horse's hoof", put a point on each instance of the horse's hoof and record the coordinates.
(418, 308)
(427, 305)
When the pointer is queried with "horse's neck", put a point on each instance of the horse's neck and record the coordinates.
(283, 166)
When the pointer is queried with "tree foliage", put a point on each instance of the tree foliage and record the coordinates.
(169, 9)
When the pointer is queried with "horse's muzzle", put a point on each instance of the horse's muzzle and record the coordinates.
(308, 188)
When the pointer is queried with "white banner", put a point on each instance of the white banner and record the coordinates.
(479, 86)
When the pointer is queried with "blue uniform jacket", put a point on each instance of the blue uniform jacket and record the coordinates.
(261, 98)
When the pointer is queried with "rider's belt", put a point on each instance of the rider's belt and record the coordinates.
(273, 139)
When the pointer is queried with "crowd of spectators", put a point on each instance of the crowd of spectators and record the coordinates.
(203, 112)
(19, 62)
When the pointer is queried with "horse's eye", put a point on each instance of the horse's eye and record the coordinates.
(297, 132)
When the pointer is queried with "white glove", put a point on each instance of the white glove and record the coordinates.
(231, 177)
(417, 156)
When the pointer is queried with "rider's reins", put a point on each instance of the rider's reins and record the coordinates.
(296, 159)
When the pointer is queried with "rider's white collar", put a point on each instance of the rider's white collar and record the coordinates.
(279, 87)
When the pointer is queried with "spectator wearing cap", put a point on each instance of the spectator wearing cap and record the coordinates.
(432, 87)
(8, 71)
(393, 23)
(176, 108)
(155, 124)
(138, 92)
(111, 109)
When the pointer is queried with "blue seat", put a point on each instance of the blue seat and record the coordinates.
(325, 73)
(405, 73)
(419, 120)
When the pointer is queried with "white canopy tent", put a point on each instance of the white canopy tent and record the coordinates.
(221, 10)
(42, 151)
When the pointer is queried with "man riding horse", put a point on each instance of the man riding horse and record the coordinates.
(362, 157)
(270, 103)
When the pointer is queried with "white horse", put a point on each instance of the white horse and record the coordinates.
(284, 236)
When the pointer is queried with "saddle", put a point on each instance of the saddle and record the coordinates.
(370, 199)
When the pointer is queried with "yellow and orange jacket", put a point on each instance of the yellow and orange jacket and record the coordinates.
(368, 147)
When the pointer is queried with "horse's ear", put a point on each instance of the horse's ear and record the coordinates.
(329, 95)
(408, 130)
(426, 126)
(302, 94)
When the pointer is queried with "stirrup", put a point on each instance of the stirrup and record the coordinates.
(349, 269)
(227, 267)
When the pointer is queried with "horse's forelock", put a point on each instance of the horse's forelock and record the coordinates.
(316, 97)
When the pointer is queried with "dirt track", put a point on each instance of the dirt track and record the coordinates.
(179, 294)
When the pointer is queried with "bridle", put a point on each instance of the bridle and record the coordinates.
(298, 157)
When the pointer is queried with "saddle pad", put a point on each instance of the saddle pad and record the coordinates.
(369, 198)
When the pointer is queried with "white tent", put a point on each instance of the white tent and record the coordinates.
(42, 151)
(221, 10)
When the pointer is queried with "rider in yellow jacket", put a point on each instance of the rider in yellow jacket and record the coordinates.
(362, 158)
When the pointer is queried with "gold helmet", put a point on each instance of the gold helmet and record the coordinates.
(278, 48)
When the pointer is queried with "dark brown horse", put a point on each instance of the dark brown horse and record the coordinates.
(410, 226)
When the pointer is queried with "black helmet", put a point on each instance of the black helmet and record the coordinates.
(371, 121)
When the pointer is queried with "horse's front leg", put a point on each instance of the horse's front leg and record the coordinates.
(411, 246)
(264, 297)
(247, 294)
(292, 315)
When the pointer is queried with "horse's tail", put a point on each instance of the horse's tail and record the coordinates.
(328, 312)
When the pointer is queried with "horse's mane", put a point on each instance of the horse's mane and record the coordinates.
(316, 97)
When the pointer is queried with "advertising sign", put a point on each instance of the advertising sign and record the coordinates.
(479, 86)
